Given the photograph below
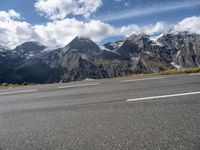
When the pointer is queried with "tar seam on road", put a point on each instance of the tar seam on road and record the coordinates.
(144, 79)
(163, 96)
(80, 85)
(18, 92)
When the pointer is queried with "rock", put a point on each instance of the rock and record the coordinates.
(84, 59)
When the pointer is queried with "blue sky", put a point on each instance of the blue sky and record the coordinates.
(27, 10)
(97, 19)
(137, 8)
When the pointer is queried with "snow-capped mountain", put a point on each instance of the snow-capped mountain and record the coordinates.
(113, 46)
(82, 58)
(29, 49)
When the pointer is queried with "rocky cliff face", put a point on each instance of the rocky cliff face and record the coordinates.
(82, 58)
(8, 61)
(73, 62)
(184, 48)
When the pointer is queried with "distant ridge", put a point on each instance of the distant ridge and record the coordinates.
(82, 58)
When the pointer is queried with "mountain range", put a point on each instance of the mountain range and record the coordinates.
(82, 58)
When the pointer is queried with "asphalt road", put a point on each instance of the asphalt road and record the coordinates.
(152, 113)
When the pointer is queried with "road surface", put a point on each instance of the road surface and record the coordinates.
(151, 113)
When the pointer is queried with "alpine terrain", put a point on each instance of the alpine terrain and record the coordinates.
(33, 62)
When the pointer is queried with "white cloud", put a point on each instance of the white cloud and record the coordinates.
(60, 33)
(191, 24)
(14, 31)
(60, 9)
(125, 3)
(151, 29)
(11, 14)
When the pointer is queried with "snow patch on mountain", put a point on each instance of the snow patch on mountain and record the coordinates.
(176, 66)
(106, 49)
(154, 39)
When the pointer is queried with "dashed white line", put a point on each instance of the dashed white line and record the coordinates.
(144, 79)
(18, 92)
(80, 85)
(194, 74)
(163, 96)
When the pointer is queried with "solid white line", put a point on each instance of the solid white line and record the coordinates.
(144, 79)
(194, 74)
(18, 92)
(80, 85)
(163, 96)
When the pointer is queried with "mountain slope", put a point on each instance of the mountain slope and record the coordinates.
(184, 47)
(73, 62)
(82, 58)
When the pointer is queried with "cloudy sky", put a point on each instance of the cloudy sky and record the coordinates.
(56, 22)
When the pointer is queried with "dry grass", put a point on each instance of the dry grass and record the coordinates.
(14, 86)
(9, 86)
(141, 75)
(182, 71)
(167, 72)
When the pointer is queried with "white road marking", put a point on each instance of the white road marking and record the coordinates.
(80, 85)
(194, 74)
(163, 96)
(144, 79)
(18, 92)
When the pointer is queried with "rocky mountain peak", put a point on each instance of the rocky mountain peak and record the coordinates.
(82, 58)
(29, 49)
(138, 37)
(31, 46)
(83, 39)
(135, 44)
(83, 45)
